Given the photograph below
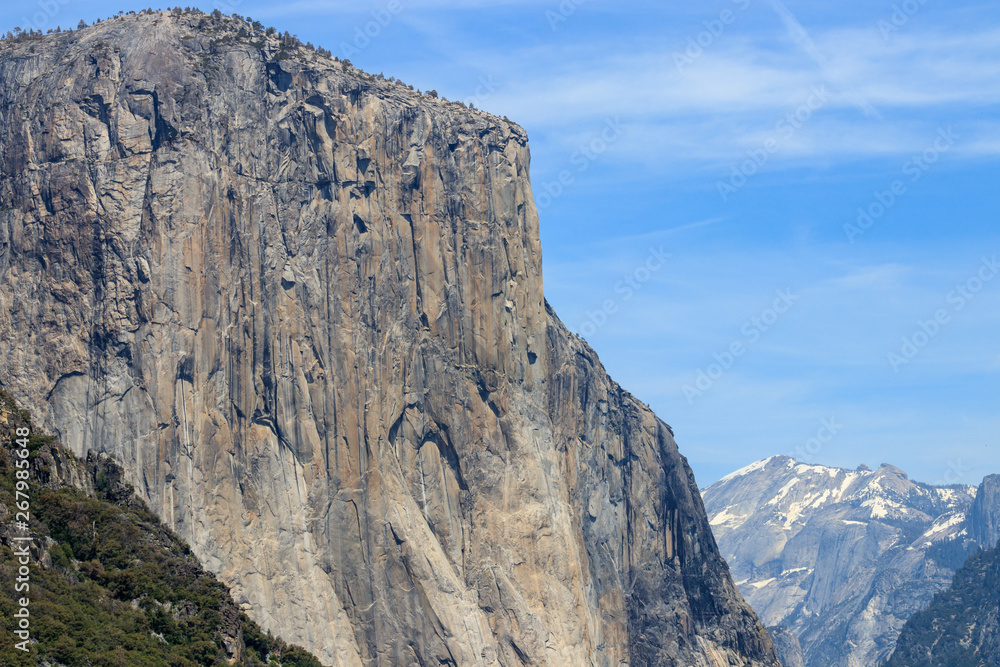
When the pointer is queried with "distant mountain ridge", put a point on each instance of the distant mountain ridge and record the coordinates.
(844, 557)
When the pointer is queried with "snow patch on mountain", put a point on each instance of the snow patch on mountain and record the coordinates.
(833, 553)
(753, 467)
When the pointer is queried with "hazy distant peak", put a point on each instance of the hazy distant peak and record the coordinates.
(830, 552)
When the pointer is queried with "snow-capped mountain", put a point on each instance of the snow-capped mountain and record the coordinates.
(841, 557)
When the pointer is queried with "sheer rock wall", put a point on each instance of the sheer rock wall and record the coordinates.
(302, 306)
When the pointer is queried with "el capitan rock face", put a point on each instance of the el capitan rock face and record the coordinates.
(302, 306)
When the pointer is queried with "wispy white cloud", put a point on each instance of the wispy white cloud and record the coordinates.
(634, 240)
(920, 73)
(726, 102)
(733, 98)
(801, 38)
(886, 276)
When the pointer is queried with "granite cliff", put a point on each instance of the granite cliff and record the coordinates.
(109, 584)
(984, 517)
(788, 647)
(961, 627)
(843, 558)
(302, 307)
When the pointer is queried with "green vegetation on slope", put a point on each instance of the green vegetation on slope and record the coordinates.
(961, 627)
(110, 584)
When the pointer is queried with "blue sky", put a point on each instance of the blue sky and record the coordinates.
(715, 160)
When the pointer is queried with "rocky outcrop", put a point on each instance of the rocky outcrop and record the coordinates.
(788, 647)
(962, 625)
(302, 306)
(984, 517)
(841, 557)
(78, 499)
